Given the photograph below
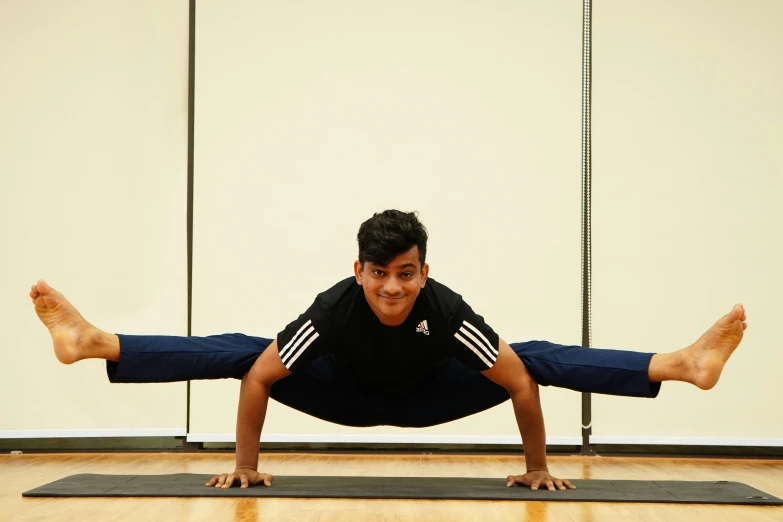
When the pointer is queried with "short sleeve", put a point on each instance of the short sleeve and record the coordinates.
(472, 340)
(304, 339)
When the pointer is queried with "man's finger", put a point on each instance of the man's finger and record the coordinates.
(550, 486)
(559, 484)
(211, 481)
(229, 481)
(568, 484)
(220, 480)
(223, 479)
(243, 480)
(534, 485)
(268, 480)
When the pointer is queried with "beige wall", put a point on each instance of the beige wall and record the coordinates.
(311, 117)
(687, 219)
(92, 195)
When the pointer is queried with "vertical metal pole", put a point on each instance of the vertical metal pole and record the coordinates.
(190, 446)
(587, 420)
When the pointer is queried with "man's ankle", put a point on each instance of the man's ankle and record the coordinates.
(669, 367)
(103, 345)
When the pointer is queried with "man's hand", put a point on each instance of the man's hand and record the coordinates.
(534, 479)
(244, 477)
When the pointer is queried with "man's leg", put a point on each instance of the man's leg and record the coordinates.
(323, 389)
(142, 358)
(594, 370)
(161, 358)
(457, 391)
(635, 374)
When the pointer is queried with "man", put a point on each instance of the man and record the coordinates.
(387, 346)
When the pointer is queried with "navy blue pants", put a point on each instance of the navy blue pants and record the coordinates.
(327, 390)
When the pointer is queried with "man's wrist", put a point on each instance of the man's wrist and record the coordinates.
(535, 460)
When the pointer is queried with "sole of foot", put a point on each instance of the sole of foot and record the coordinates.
(69, 330)
(711, 352)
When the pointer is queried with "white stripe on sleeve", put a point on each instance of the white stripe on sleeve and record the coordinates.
(478, 344)
(488, 344)
(302, 338)
(473, 348)
(300, 352)
(293, 339)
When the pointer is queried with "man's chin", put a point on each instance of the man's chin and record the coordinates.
(392, 309)
(392, 303)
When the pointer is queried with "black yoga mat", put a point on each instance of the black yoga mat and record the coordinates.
(192, 485)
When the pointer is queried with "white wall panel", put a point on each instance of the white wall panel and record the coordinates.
(311, 116)
(687, 220)
(93, 162)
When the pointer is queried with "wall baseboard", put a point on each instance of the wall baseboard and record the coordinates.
(382, 439)
(106, 433)
(687, 441)
(317, 438)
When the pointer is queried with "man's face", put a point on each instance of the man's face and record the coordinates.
(391, 290)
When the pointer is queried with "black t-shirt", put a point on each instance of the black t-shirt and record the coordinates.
(388, 360)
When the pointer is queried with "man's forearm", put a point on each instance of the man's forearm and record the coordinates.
(530, 419)
(253, 400)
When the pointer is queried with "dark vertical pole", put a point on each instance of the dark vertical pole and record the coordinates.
(587, 416)
(188, 446)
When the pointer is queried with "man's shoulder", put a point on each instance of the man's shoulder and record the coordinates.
(339, 294)
(441, 299)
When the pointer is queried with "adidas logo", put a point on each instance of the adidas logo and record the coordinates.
(422, 328)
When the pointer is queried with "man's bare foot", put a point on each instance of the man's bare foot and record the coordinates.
(705, 359)
(73, 337)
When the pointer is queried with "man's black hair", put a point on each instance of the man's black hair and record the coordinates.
(390, 233)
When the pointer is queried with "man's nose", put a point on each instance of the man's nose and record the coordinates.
(392, 286)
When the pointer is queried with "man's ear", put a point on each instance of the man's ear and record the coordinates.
(425, 272)
(357, 271)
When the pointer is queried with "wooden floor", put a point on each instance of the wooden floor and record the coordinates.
(23, 472)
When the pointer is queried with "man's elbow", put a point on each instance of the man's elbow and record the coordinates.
(523, 385)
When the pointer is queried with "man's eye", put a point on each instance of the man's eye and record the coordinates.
(407, 275)
(378, 273)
